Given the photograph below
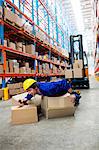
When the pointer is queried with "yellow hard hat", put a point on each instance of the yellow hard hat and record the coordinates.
(27, 83)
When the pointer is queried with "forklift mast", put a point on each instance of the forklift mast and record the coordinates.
(79, 54)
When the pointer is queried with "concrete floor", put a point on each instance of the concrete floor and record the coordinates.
(72, 133)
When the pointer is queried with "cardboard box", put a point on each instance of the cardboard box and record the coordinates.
(16, 70)
(78, 64)
(9, 15)
(5, 43)
(19, 44)
(23, 49)
(58, 106)
(28, 70)
(32, 71)
(7, 67)
(34, 100)
(11, 66)
(68, 73)
(18, 21)
(27, 64)
(12, 92)
(12, 45)
(1, 68)
(15, 85)
(22, 70)
(24, 115)
(1, 93)
(30, 49)
(78, 73)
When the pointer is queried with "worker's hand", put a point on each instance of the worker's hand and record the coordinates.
(23, 102)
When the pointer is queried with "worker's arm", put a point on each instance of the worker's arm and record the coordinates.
(28, 97)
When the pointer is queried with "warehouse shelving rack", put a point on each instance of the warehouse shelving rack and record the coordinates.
(96, 71)
(51, 45)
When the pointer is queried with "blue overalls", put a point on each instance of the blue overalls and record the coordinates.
(52, 89)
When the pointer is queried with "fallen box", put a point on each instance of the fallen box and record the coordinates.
(24, 115)
(54, 107)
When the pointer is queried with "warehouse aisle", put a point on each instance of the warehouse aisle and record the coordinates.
(73, 133)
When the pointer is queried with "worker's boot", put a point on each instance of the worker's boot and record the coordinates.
(78, 96)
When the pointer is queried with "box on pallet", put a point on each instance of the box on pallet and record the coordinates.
(23, 115)
(9, 15)
(78, 73)
(18, 21)
(78, 64)
(58, 106)
(68, 73)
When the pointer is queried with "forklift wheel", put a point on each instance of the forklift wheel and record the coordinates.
(88, 86)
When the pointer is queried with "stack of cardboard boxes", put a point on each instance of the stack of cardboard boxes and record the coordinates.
(13, 18)
(29, 48)
(13, 66)
(15, 88)
(9, 15)
(78, 69)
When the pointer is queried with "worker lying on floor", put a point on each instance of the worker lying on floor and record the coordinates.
(51, 89)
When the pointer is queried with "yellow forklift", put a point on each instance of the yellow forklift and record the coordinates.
(77, 53)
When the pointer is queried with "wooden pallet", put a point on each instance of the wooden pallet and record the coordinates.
(8, 21)
(12, 24)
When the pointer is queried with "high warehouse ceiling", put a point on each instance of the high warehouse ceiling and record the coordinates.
(80, 15)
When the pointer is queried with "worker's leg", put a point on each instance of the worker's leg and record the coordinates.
(76, 96)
